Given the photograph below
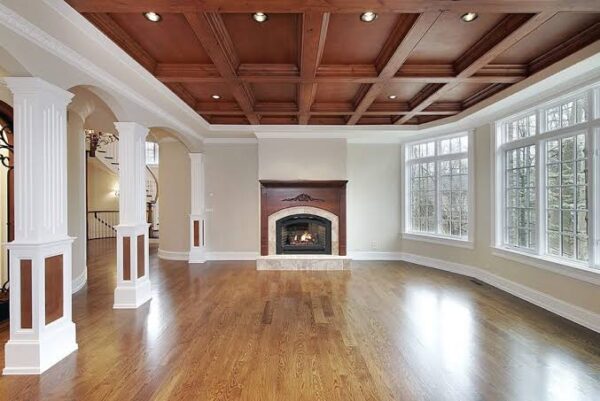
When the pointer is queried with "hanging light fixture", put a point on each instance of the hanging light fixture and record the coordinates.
(97, 139)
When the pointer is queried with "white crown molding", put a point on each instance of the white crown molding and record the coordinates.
(34, 34)
(80, 281)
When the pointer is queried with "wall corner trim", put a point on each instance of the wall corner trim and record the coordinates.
(557, 306)
(79, 282)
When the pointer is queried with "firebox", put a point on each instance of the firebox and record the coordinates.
(303, 234)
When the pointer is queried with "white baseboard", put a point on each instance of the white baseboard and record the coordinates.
(79, 282)
(569, 311)
(170, 255)
(367, 255)
(232, 255)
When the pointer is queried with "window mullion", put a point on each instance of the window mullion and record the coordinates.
(541, 197)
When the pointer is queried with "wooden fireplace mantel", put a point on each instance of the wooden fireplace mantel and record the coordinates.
(278, 195)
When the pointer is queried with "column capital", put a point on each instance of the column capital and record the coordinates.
(127, 128)
(37, 86)
(196, 156)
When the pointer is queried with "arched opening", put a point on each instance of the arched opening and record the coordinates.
(7, 214)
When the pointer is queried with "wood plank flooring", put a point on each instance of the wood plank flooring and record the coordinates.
(384, 331)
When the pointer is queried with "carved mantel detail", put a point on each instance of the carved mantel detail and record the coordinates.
(303, 198)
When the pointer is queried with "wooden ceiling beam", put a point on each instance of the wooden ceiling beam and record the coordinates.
(409, 30)
(110, 28)
(483, 94)
(565, 48)
(334, 6)
(507, 33)
(312, 44)
(212, 34)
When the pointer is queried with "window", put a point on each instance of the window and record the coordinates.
(545, 165)
(151, 153)
(437, 183)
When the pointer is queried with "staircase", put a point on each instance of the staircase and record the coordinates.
(108, 155)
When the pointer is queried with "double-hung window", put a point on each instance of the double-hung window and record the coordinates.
(437, 185)
(547, 181)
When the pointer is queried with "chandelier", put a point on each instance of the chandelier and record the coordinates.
(98, 139)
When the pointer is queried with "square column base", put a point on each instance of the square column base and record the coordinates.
(131, 296)
(33, 357)
(197, 256)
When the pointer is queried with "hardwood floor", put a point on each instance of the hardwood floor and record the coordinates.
(385, 331)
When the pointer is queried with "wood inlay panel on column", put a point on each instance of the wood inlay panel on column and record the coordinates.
(126, 258)
(54, 288)
(140, 256)
(196, 233)
(26, 295)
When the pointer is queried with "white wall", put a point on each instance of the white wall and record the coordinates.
(174, 193)
(232, 197)
(302, 159)
(373, 197)
(76, 192)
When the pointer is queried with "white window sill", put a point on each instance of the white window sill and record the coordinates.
(439, 240)
(564, 267)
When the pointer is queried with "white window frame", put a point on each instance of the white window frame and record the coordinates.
(589, 271)
(435, 238)
(155, 153)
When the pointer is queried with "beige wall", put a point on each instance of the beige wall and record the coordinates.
(101, 187)
(76, 160)
(302, 159)
(373, 197)
(174, 194)
(232, 197)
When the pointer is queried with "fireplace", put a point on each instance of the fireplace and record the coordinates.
(303, 234)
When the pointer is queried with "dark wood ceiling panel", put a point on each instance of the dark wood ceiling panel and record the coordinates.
(351, 41)
(461, 92)
(337, 92)
(403, 92)
(274, 92)
(450, 37)
(315, 62)
(203, 92)
(272, 42)
(561, 27)
(170, 41)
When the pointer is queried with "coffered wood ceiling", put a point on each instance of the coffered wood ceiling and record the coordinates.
(316, 62)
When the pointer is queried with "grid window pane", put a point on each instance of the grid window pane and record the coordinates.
(567, 114)
(151, 153)
(439, 185)
(521, 197)
(520, 128)
(566, 198)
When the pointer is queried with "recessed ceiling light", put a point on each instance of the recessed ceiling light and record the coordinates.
(216, 97)
(468, 17)
(152, 16)
(392, 97)
(368, 16)
(260, 17)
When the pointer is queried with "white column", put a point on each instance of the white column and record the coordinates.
(133, 275)
(197, 215)
(41, 328)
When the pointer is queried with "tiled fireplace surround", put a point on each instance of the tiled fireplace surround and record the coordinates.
(280, 199)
